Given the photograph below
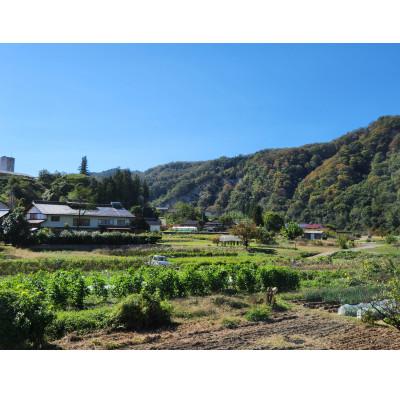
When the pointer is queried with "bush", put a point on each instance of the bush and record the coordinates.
(258, 313)
(24, 317)
(14, 228)
(96, 237)
(246, 280)
(283, 278)
(141, 311)
(230, 323)
(83, 321)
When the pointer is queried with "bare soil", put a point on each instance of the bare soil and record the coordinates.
(297, 328)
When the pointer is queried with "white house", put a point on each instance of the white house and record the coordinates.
(56, 215)
(4, 210)
(154, 224)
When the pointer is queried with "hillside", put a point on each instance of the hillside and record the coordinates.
(351, 182)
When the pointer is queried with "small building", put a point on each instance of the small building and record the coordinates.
(4, 210)
(229, 240)
(185, 228)
(213, 226)
(59, 215)
(154, 224)
(313, 234)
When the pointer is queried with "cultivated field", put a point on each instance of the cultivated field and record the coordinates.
(211, 297)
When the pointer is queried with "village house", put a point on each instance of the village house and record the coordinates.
(154, 224)
(4, 210)
(213, 226)
(313, 231)
(59, 215)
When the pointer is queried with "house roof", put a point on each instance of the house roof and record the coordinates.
(229, 238)
(313, 231)
(3, 213)
(153, 221)
(3, 206)
(55, 208)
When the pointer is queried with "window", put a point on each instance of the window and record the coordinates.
(105, 222)
(81, 222)
(55, 218)
(121, 222)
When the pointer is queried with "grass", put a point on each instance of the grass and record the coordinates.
(83, 321)
(259, 313)
(349, 295)
(230, 323)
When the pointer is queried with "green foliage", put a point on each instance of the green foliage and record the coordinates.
(83, 168)
(264, 236)
(259, 313)
(141, 311)
(283, 278)
(391, 239)
(14, 228)
(257, 215)
(96, 237)
(273, 222)
(230, 323)
(82, 321)
(182, 212)
(245, 230)
(291, 231)
(24, 317)
(343, 241)
(342, 295)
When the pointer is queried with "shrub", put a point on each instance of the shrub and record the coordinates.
(82, 321)
(99, 286)
(14, 227)
(246, 279)
(141, 311)
(258, 313)
(98, 238)
(193, 281)
(230, 323)
(24, 317)
(283, 278)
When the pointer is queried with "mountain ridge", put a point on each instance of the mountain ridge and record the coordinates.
(352, 181)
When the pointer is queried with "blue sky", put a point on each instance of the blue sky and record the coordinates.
(138, 106)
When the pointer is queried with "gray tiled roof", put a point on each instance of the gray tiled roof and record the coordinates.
(3, 213)
(53, 208)
(3, 206)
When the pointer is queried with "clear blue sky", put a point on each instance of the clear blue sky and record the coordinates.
(138, 106)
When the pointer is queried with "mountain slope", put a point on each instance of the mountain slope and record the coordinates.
(351, 182)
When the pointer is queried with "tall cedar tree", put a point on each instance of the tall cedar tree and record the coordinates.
(83, 168)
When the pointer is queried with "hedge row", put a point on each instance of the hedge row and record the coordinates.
(66, 289)
(15, 266)
(45, 236)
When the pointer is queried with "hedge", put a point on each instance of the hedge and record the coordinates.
(45, 236)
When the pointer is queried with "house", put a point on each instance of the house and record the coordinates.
(213, 226)
(4, 210)
(154, 224)
(59, 215)
(230, 240)
(313, 234)
(185, 228)
(189, 226)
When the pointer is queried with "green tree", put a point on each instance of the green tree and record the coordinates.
(246, 230)
(273, 222)
(83, 168)
(14, 228)
(258, 215)
(292, 231)
(82, 200)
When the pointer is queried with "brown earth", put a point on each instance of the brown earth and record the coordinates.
(297, 328)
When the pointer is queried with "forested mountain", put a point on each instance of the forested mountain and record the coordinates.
(351, 182)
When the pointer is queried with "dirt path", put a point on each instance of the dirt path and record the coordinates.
(362, 246)
(299, 328)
